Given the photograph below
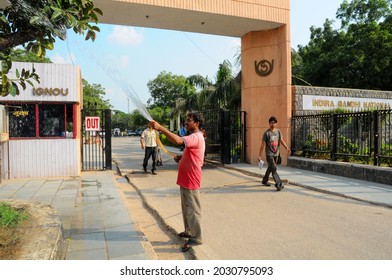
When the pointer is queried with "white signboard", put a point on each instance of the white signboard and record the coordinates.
(316, 102)
(58, 83)
(92, 123)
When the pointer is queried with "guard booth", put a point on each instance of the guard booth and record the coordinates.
(44, 123)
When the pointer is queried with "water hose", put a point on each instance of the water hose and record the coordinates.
(163, 147)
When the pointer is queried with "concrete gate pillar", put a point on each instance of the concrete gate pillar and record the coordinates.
(266, 85)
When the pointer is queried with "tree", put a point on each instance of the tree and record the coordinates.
(296, 64)
(166, 88)
(93, 96)
(358, 55)
(225, 93)
(160, 114)
(138, 119)
(36, 24)
(21, 77)
(122, 120)
(25, 56)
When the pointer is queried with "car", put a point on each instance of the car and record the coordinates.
(131, 133)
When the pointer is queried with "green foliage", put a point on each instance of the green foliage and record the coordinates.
(164, 140)
(166, 88)
(236, 152)
(35, 24)
(93, 96)
(122, 120)
(27, 56)
(9, 216)
(160, 114)
(357, 55)
(138, 120)
(346, 146)
(23, 77)
(226, 93)
(310, 143)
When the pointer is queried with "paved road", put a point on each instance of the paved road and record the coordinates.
(244, 220)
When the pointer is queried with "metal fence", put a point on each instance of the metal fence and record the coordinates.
(356, 136)
(96, 148)
(226, 135)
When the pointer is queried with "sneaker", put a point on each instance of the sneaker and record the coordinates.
(145, 169)
(279, 186)
(266, 184)
(153, 172)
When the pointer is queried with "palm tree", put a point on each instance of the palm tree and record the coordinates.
(296, 63)
(227, 91)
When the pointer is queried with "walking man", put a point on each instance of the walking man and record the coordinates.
(148, 142)
(189, 175)
(272, 139)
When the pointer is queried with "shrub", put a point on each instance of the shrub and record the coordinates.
(10, 216)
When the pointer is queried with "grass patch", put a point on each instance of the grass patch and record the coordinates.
(10, 216)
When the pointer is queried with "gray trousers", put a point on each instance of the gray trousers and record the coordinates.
(191, 213)
(271, 160)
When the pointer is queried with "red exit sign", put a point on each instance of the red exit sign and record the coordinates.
(92, 123)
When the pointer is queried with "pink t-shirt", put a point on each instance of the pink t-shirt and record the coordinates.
(189, 169)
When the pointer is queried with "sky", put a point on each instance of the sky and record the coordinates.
(139, 54)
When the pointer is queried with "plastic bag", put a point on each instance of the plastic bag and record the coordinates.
(261, 163)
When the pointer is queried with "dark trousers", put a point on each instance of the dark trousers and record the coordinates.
(148, 152)
(271, 160)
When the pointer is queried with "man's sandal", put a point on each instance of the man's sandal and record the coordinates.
(188, 245)
(184, 235)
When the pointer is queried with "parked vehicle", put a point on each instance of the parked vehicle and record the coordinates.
(131, 133)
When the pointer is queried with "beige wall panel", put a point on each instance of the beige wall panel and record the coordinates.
(44, 158)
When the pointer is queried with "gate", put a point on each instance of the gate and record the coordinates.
(226, 135)
(96, 139)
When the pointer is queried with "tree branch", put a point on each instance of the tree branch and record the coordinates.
(18, 38)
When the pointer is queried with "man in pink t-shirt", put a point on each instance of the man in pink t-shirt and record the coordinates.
(189, 175)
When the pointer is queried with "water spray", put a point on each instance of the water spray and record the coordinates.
(127, 88)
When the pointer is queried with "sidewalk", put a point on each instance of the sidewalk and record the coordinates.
(96, 224)
(374, 193)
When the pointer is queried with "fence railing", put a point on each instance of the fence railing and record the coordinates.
(226, 135)
(356, 136)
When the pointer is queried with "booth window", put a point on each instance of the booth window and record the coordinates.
(22, 120)
(51, 120)
(41, 120)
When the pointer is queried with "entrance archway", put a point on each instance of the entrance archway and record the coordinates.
(264, 29)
